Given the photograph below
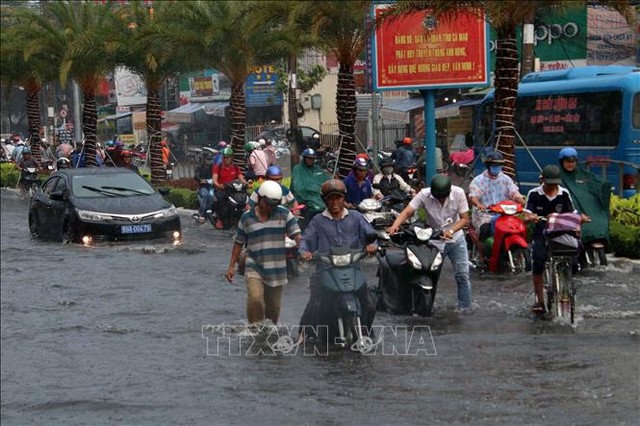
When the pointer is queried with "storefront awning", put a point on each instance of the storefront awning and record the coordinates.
(405, 105)
(453, 110)
(215, 108)
(183, 114)
(114, 116)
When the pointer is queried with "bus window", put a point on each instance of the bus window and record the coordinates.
(636, 111)
(484, 128)
(587, 119)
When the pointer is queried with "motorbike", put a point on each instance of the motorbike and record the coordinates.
(30, 180)
(507, 250)
(380, 220)
(234, 202)
(196, 153)
(341, 287)
(409, 269)
(168, 171)
(395, 200)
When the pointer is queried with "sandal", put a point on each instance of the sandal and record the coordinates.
(538, 308)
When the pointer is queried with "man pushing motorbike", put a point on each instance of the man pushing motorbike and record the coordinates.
(335, 226)
(445, 203)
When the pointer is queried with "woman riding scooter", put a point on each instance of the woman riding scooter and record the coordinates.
(591, 195)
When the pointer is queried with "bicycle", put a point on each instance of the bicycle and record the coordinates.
(562, 239)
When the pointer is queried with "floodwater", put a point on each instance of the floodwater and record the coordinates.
(150, 334)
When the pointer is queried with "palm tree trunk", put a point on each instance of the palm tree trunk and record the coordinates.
(33, 114)
(154, 135)
(238, 123)
(346, 111)
(506, 83)
(89, 127)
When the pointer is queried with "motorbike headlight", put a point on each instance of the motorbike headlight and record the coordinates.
(437, 261)
(509, 209)
(93, 216)
(415, 262)
(341, 260)
(237, 186)
(171, 211)
(369, 204)
(423, 234)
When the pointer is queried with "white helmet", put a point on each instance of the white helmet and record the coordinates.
(262, 142)
(271, 191)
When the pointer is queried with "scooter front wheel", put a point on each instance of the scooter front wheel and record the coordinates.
(423, 301)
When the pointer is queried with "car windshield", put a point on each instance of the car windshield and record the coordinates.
(110, 185)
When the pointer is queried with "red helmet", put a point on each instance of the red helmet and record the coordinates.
(407, 141)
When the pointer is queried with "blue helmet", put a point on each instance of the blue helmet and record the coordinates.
(309, 153)
(567, 153)
(274, 171)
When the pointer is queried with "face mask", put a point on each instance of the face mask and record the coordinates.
(387, 170)
(494, 170)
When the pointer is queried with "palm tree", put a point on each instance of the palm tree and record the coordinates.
(505, 16)
(29, 72)
(79, 36)
(341, 32)
(218, 31)
(289, 22)
(146, 50)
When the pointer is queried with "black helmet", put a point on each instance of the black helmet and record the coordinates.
(332, 187)
(493, 158)
(440, 186)
(386, 161)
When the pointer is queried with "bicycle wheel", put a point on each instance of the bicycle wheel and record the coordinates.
(564, 299)
(549, 287)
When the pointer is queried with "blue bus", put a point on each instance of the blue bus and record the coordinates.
(595, 109)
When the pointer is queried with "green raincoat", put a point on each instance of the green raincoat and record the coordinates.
(590, 195)
(306, 183)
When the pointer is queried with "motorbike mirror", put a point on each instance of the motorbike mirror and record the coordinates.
(164, 191)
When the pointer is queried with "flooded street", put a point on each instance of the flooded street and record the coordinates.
(152, 334)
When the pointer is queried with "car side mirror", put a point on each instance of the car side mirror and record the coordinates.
(59, 195)
(164, 191)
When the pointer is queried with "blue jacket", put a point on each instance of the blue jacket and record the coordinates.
(356, 192)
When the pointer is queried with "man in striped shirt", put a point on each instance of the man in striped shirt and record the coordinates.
(262, 229)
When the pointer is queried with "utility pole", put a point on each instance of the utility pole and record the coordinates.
(77, 117)
(526, 65)
(293, 110)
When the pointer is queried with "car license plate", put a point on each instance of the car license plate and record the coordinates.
(135, 229)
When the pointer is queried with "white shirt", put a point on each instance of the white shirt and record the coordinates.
(438, 214)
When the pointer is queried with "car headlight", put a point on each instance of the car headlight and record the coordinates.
(93, 216)
(341, 260)
(437, 261)
(423, 234)
(171, 211)
(415, 262)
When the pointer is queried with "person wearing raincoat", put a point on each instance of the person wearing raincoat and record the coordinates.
(590, 195)
(306, 180)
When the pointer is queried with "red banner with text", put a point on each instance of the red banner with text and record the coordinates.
(419, 50)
